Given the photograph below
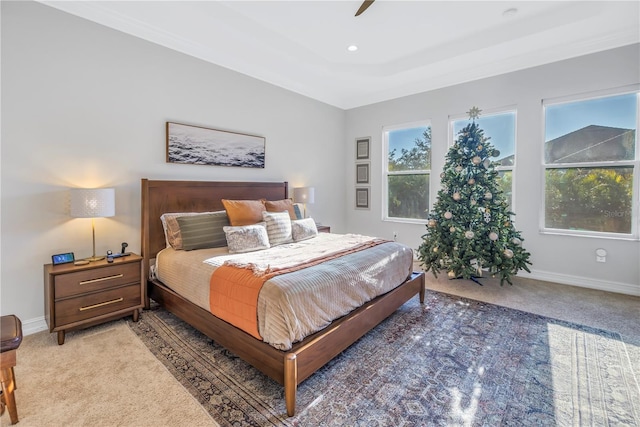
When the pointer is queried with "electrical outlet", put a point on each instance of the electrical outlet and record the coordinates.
(395, 236)
(601, 255)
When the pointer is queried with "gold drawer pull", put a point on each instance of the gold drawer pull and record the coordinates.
(102, 279)
(89, 307)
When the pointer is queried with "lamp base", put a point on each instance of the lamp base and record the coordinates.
(95, 258)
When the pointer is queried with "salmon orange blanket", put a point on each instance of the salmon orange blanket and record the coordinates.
(234, 291)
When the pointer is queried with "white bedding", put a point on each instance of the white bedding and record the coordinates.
(294, 305)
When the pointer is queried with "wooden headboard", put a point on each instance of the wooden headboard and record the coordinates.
(159, 197)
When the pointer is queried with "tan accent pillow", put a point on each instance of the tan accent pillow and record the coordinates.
(244, 212)
(281, 206)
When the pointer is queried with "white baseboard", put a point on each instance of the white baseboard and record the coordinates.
(584, 282)
(32, 326)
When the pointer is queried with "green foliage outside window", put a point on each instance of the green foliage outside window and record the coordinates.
(409, 192)
(594, 199)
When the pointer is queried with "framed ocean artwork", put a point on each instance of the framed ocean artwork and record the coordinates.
(197, 145)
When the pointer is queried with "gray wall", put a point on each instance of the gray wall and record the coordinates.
(561, 259)
(86, 106)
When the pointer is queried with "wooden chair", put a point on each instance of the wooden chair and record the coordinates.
(11, 337)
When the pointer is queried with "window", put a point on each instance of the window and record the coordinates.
(500, 127)
(407, 169)
(590, 161)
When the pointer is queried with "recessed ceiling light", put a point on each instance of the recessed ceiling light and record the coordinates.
(352, 48)
(512, 11)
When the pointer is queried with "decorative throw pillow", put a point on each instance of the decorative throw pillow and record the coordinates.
(280, 206)
(172, 228)
(303, 229)
(203, 231)
(244, 212)
(298, 211)
(278, 227)
(246, 238)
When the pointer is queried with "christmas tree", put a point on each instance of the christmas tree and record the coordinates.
(470, 228)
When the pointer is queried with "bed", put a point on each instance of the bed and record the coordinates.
(288, 367)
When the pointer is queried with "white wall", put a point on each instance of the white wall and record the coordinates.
(563, 259)
(86, 106)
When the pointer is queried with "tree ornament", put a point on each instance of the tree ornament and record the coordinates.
(448, 215)
(508, 253)
(473, 202)
(496, 153)
(442, 175)
(471, 181)
(488, 195)
(507, 224)
(452, 229)
(476, 160)
(516, 241)
(451, 274)
(469, 234)
(493, 236)
(479, 147)
(486, 163)
(487, 217)
(431, 223)
(458, 168)
(435, 249)
(456, 196)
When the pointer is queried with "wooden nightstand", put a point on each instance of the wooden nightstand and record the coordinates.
(79, 296)
(323, 228)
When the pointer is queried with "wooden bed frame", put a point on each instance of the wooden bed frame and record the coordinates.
(290, 367)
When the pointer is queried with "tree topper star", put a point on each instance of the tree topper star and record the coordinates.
(474, 113)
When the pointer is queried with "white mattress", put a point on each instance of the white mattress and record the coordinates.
(294, 305)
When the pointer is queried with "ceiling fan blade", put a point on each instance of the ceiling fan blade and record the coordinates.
(364, 6)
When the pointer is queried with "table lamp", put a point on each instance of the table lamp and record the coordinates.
(93, 203)
(304, 195)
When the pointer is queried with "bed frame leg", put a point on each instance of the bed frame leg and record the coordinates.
(290, 382)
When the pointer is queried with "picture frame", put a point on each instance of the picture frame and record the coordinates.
(362, 148)
(362, 197)
(196, 145)
(362, 173)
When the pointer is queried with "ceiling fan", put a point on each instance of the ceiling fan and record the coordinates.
(364, 6)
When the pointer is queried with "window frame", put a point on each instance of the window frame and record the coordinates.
(494, 112)
(386, 174)
(634, 163)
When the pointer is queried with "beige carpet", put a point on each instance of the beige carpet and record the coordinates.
(105, 376)
(102, 376)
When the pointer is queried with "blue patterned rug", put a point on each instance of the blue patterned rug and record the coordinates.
(449, 362)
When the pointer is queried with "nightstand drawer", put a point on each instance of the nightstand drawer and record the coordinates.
(89, 306)
(96, 279)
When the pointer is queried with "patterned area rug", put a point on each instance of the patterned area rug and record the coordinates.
(449, 362)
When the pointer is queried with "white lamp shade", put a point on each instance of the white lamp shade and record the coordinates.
(303, 195)
(93, 202)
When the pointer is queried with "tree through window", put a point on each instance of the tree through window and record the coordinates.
(407, 171)
(590, 160)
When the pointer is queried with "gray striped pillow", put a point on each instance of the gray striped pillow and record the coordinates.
(278, 227)
(203, 231)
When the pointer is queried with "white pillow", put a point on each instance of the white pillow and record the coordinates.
(278, 227)
(246, 238)
(303, 229)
